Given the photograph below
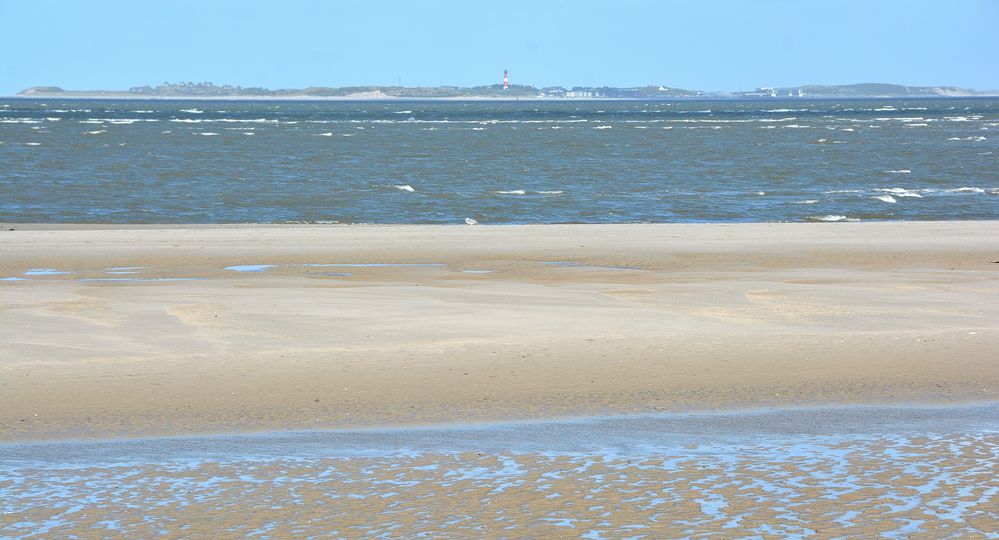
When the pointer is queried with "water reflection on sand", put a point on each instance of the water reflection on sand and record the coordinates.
(890, 471)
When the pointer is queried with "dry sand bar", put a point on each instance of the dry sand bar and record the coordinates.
(376, 325)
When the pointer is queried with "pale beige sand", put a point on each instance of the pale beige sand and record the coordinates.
(717, 316)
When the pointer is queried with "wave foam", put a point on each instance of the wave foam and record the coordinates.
(900, 192)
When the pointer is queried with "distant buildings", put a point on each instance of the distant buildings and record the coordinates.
(774, 92)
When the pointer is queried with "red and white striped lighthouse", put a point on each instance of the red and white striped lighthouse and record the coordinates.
(506, 80)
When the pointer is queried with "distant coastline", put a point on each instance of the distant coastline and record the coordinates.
(210, 91)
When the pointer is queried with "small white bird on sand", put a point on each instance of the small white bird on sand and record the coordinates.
(471, 221)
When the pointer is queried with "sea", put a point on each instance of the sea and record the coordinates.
(498, 162)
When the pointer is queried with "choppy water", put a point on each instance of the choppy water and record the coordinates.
(498, 162)
(889, 472)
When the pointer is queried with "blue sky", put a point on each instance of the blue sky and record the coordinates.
(706, 45)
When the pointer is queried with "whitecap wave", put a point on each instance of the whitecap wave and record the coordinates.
(885, 198)
(192, 111)
(207, 133)
(405, 187)
(96, 132)
(830, 217)
(807, 201)
(327, 134)
(552, 192)
(966, 190)
(900, 192)
(602, 127)
(898, 171)
(511, 192)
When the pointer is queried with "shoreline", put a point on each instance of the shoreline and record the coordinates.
(384, 325)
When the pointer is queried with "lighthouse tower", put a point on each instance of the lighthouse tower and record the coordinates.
(506, 80)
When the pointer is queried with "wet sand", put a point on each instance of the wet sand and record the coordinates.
(897, 472)
(551, 321)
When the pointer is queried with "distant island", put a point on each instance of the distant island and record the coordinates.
(208, 90)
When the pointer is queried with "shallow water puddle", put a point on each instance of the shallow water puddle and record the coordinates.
(45, 272)
(123, 270)
(250, 267)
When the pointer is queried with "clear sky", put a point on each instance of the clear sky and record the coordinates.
(703, 45)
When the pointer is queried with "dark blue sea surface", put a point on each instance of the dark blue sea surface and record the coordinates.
(102, 161)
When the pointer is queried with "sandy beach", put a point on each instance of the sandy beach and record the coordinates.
(133, 331)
